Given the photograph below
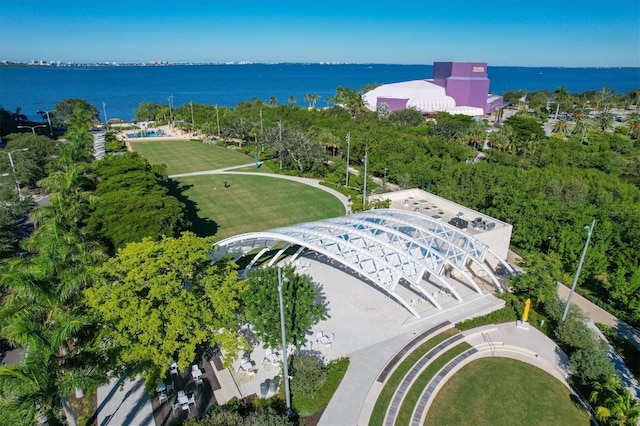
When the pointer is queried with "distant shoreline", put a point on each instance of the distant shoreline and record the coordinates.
(182, 64)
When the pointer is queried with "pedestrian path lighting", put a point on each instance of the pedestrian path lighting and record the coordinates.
(575, 280)
(43, 112)
(33, 128)
(13, 167)
(284, 343)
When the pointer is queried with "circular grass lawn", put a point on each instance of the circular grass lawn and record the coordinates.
(252, 203)
(503, 391)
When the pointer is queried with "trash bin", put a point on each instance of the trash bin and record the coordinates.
(273, 386)
(263, 389)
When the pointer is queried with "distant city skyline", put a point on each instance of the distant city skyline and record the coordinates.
(560, 33)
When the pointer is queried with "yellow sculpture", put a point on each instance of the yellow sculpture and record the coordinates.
(527, 306)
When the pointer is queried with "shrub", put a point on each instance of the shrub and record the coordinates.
(309, 375)
(501, 315)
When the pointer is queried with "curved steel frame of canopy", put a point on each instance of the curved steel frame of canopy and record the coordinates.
(383, 245)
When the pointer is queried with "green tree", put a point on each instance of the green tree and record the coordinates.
(614, 403)
(131, 202)
(633, 122)
(562, 128)
(159, 300)
(64, 109)
(312, 98)
(308, 375)
(303, 305)
(560, 96)
(605, 121)
(539, 281)
(292, 100)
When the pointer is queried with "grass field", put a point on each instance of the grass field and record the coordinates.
(251, 203)
(502, 391)
(401, 370)
(182, 156)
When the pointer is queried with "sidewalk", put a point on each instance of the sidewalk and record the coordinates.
(599, 315)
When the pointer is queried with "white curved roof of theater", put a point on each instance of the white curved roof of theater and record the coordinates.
(422, 95)
(383, 245)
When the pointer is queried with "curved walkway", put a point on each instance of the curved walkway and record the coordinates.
(306, 181)
(503, 340)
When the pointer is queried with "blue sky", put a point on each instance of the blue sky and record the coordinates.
(503, 32)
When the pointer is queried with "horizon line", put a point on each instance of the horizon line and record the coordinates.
(43, 63)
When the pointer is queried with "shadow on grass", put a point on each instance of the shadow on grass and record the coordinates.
(202, 227)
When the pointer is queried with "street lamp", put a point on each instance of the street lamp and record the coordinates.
(284, 343)
(575, 280)
(193, 124)
(346, 184)
(40, 111)
(218, 121)
(13, 167)
(104, 110)
(33, 128)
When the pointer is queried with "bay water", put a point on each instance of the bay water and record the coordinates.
(118, 90)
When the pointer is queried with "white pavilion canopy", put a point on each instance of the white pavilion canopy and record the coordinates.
(383, 245)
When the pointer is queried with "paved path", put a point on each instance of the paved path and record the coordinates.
(599, 315)
(306, 181)
(124, 402)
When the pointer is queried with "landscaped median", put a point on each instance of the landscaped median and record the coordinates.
(391, 385)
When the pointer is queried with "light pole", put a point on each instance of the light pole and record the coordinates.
(33, 128)
(280, 141)
(13, 167)
(170, 99)
(284, 344)
(364, 190)
(48, 119)
(348, 149)
(218, 121)
(575, 280)
(104, 110)
(193, 124)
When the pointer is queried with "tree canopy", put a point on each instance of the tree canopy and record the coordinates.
(131, 202)
(158, 300)
(303, 305)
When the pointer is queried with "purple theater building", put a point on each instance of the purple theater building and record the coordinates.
(456, 88)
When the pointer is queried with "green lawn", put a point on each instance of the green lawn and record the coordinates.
(401, 370)
(252, 203)
(422, 381)
(182, 156)
(502, 391)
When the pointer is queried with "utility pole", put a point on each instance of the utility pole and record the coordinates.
(348, 149)
(575, 280)
(364, 192)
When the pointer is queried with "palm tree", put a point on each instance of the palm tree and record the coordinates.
(605, 121)
(273, 101)
(633, 121)
(561, 127)
(560, 96)
(312, 98)
(584, 124)
(292, 100)
(614, 403)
